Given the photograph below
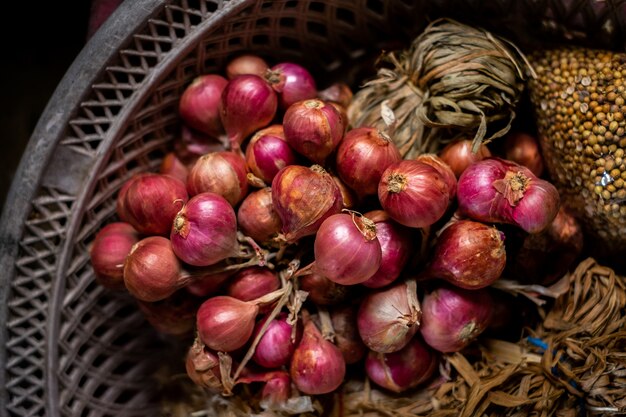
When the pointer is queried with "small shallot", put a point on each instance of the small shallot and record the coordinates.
(152, 271)
(108, 252)
(223, 173)
(276, 346)
(454, 317)
(149, 202)
(303, 198)
(346, 249)
(313, 128)
(199, 104)
(203, 367)
(523, 148)
(413, 193)
(459, 155)
(390, 317)
(252, 282)
(268, 152)
(246, 64)
(362, 156)
(347, 337)
(397, 243)
(323, 291)
(292, 82)
(496, 190)
(399, 371)
(248, 104)
(468, 254)
(225, 323)
(317, 366)
(204, 231)
(257, 218)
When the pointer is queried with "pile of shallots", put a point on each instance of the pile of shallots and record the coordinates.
(293, 251)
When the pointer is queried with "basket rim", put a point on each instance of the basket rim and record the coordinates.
(84, 70)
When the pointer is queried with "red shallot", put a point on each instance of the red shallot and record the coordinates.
(313, 128)
(399, 371)
(303, 198)
(496, 190)
(454, 317)
(388, 318)
(413, 193)
(199, 104)
(317, 366)
(204, 231)
(346, 249)
(108, 253)
(362, 156)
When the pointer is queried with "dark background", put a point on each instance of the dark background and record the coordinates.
(41, 40)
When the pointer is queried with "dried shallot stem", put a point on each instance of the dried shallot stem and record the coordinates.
(286, 292)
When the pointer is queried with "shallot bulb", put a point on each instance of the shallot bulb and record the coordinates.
(413, 193)
(174, 167)
(495, 190)
(468, 254)
(523, 148)
(338, 92)
(276, 346)
(347, 337)
(199, 104)
(149, 202)
(444, 169)
(206, 284)
(252, 282)
(292, 82)
(546, 256)
(191, 145)
(268, 152)
(248, 104)
(222, 173)
(303, 198)
(108, 253)
(225, 323)
(346, 249)
(397, 243)
(362, 156)
(246, 64)
(317, 366)
(203, 367)
(453, 317)
(323, 291)
(459, 155)
(399, 371)
(313, 128)
(204, 231)
(152, 271)
(390, 317)
(174, 315)
(350, 199)
(257, 218)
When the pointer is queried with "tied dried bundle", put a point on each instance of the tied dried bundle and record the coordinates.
(454, 79)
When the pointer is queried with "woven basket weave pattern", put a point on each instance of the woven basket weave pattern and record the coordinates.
(73, 348)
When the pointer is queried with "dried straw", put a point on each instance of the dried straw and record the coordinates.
(454, 79)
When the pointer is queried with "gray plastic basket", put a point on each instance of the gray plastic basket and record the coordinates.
(71, 348)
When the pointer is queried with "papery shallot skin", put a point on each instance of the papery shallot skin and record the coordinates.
(304, 197)
(496, 190)
(453, 317)
(468, 254)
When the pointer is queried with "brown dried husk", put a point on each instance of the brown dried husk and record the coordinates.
(453, 80)
(583, 369)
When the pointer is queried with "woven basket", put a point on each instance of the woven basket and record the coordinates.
(68, 347)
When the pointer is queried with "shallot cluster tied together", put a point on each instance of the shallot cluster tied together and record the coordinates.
(298, 251)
